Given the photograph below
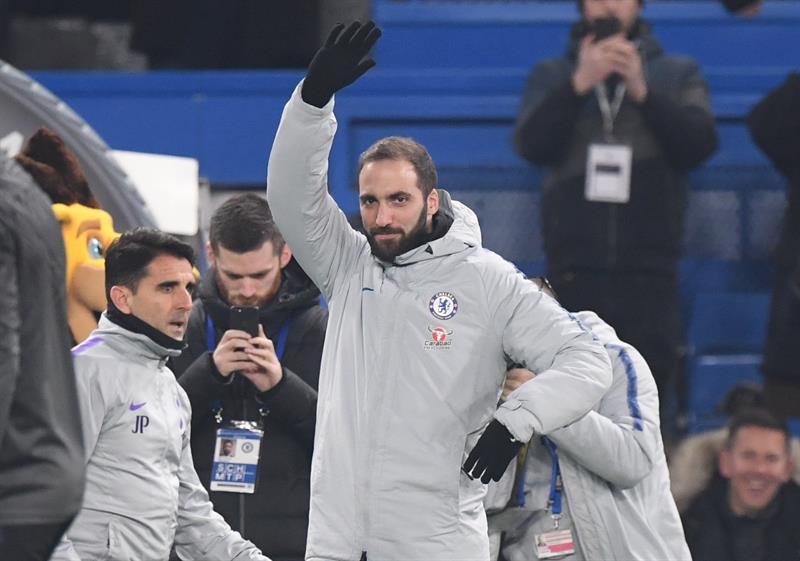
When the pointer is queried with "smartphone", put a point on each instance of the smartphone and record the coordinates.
(605, 27)
(244, 318)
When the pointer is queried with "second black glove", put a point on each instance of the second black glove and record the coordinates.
(492, 453)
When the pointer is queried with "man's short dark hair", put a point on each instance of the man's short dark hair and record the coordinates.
(405, 149)
(129, 255)
(244, 223)
(755, 417)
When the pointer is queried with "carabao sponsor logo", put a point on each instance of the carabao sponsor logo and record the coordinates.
(440, 338)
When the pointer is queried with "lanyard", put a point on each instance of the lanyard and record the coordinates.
(554, 501)
(280, 347)
(609, 110)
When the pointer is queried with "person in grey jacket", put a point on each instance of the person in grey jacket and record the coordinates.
(422, 323)
(142, 492)
(616, 499)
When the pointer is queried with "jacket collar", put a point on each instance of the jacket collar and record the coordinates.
(455, 229)
(132, 342)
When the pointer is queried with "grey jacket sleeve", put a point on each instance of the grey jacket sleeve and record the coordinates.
(202, 533)
(626, 423)
(574, 370)
(9, 326)
(297, 190)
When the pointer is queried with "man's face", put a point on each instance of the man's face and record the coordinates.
(395, 214)
(757, 465)
(163, 297)
(251, 278)
(626, 11)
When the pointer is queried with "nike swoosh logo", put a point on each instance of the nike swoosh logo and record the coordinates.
(367, 289)
(137, 406)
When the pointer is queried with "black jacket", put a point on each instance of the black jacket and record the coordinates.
(774, 124)
(275, 518)
(671, 132)
(713, 533)
(42, 460)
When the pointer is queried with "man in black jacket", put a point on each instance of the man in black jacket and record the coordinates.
(618, 124)
(229, 380)
(42, 463)
(774, 124)
(753, 510)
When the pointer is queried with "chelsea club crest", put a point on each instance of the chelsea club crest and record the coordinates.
(443, 305)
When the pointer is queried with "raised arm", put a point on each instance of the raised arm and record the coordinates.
(316, 229)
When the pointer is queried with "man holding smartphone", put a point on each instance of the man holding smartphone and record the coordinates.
(250, 370)
(617, 123)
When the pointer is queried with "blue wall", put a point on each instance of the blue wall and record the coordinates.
(450, 74)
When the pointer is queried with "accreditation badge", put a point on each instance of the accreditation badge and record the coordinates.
(608, 173)
(236, 455)
(551, 545)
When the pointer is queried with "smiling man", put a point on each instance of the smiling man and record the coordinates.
(752, 512)
(142, 493)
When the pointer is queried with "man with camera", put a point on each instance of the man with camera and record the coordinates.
(142, 492)
(617, 123)
(250, 370)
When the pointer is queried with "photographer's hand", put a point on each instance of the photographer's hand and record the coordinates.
(340, 61)
(229, 356)
(265, 370)
(627, 62)
(594, 65)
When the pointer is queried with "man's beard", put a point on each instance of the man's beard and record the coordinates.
(387, 251)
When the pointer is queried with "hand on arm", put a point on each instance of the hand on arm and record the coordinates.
(515, 377)
(340, 61)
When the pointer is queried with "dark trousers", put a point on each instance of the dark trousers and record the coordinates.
(30, 542)
(645, 311)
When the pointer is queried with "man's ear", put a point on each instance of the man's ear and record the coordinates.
(433, 202)
(286, 255)
(725, 463)
(210, 258)
(120, 296)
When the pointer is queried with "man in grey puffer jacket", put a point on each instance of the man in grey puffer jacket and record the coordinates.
(616, 500)
(422, 322)
(142, 492)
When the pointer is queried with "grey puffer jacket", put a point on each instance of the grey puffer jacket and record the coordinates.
(613, 469)
(141, 488)
(413, 364)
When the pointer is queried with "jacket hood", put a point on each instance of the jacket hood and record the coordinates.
(463, 232)
(601, 329)
(133, 344)
(295, 293)
(641, 33)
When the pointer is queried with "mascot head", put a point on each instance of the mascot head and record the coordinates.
(87, 229)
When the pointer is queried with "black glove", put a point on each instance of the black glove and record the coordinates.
(492, 453)
(340, 61)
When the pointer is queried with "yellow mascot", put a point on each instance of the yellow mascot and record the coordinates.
(87, 229)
